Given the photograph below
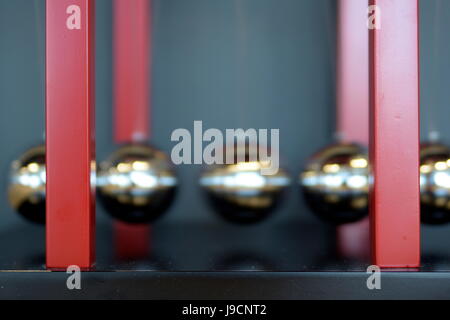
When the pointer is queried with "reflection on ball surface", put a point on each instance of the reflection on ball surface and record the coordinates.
(26, 191)
(335, 183)
(136, 183)
(240, 192)
(435, 183)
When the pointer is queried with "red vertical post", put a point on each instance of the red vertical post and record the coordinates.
(131, 241)
(353, 71)
(131, 70)
(131, 102)
(70, 102)
(352, 83)
(394, 133)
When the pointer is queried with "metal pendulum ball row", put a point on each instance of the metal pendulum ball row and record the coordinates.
(336, 183)
(137, 184)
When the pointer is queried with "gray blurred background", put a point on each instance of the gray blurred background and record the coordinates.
(230, 63)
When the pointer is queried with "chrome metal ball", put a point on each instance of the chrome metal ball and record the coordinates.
(240, 193)
(26, 192)
(137, 183)
(335, 183)
(435, 183)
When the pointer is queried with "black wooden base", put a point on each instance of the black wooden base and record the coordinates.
(221, 261)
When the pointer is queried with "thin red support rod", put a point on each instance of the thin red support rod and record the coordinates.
(394, 133)
(352, 81)
(70, 104)
(131, 242)
(131, 70)
(353, 71)
(132, 102)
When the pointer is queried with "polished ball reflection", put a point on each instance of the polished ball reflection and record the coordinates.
(137, 183)
(435, 183)
(26, 192)
(240, 192)
(335, 183)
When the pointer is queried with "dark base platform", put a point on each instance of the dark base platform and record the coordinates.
(193, 261)
(225, 285)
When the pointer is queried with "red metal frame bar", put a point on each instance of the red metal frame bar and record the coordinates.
(132, 32)
(131, 242)
(131, 69)
(70, 81)
(353, 240)
(394, 134)
(353, 71)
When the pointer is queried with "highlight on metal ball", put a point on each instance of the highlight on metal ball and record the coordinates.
(27, 180)
(239, 192)
(137, 183)
(335, 183)
(435, 183)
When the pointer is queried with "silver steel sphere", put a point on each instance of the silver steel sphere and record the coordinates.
(26, 192)
(241, 193)
(335, 183)
(435, 183)
(137, 183)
